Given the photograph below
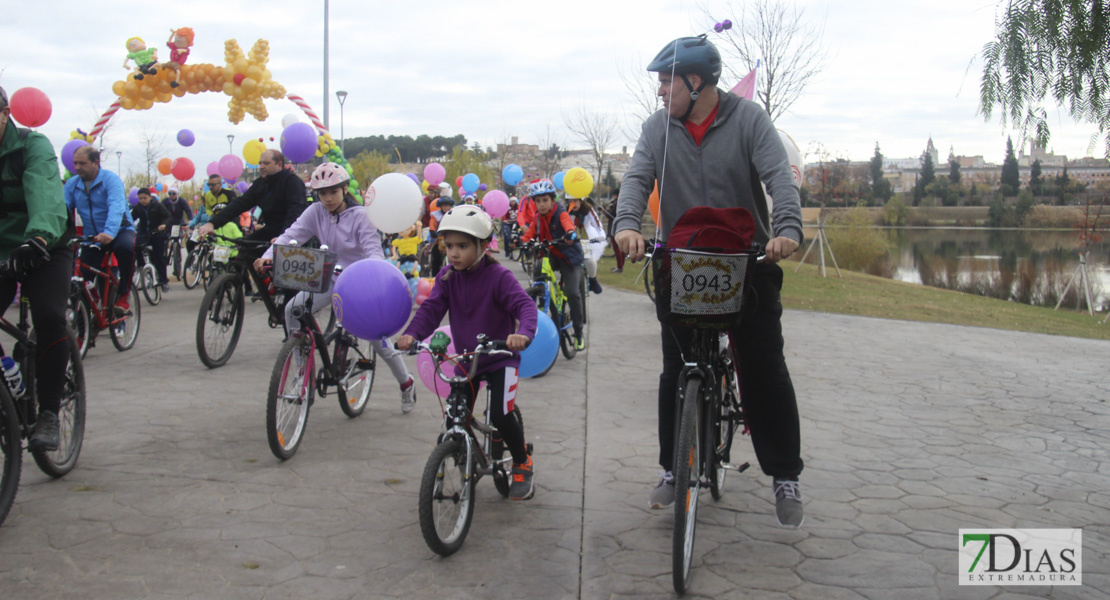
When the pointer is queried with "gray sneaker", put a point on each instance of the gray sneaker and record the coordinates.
(45, 436)
(663, 494)
(408, 397)
(788, 503)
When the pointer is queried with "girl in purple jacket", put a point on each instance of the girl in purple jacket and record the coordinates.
(340, 224)
(483, 297)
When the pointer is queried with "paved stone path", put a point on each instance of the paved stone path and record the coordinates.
(910, 431)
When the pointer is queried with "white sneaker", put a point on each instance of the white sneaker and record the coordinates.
(663, 494)
(408, 397)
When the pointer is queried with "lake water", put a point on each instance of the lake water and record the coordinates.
(1032, 266)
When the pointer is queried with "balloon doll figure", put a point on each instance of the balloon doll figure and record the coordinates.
(179, 43)
(145, 59)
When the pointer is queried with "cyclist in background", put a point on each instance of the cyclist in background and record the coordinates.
(482, 297)
(340, 223)
(153, 222)
(180, 212)
(586, 217)
(554, 224)
(34, 235)
(442, 205)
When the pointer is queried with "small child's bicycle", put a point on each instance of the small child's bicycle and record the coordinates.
(461, 457)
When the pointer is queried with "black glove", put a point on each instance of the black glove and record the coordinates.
(27, 257)
(570, 236)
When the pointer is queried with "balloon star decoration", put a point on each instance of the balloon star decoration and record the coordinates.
(244, 77)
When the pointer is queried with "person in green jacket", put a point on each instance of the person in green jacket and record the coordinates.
(34, 235)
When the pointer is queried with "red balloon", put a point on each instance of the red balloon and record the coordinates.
(271, 138)
(30, 107)
(262, 140)
(239, 77)
(183, 169)
(458, 181)
(153, 189)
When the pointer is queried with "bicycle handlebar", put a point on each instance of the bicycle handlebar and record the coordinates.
(485, 346)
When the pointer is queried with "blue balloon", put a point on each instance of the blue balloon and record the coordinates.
(512, 174)
(371, 299)
(470, 182)
(542, 351)
(558, 180)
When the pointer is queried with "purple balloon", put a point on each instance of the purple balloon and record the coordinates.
(371, 299)
(231, 167)
(482, 187)
(242, 186)
(413, 177)
(133, 196)
(434, 174)
(67, 153)
(186, 137)
(299, 142)
(213, 168)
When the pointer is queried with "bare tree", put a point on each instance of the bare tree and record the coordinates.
(595, 129)
(154, 145)
(550, 152)
(643, 89)
(778, 34)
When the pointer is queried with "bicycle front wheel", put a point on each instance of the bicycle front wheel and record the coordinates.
(290, 396)
(566, 336)
(723, 427)
(77, 317)
(175, 259)
(71, 420)
(125, 330)
(446, 501)
(687, 484)
(195, 268)
(151, 290)
(220, 321)
(355, 360)
(649, 281)
(11, 453)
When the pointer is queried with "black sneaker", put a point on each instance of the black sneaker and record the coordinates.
(595, 285)
(521, 487)
(45, 436)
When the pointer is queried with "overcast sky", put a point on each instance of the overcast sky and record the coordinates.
(898, 72)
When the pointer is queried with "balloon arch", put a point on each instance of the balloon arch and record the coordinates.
(245, 79)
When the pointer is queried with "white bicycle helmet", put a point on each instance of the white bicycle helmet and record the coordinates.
(543, 186)
(329, 175)
(468, 219)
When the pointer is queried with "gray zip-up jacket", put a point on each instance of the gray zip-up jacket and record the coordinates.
(742, 139)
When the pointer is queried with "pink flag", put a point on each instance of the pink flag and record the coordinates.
(746, 87)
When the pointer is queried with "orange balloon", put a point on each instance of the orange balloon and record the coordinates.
(165, 165)
(131, 89)
(653, 204)
(118, 88)
(146, 93)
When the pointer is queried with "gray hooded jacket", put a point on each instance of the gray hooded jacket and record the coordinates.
(742, 141)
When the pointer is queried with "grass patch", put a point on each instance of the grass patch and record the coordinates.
(871, 296)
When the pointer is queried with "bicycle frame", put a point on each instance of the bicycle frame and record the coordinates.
(319, 342)
(553, 294)
(238, 266)
(26, 406)
(104, 273)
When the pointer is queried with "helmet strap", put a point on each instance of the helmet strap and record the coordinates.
(694, 95)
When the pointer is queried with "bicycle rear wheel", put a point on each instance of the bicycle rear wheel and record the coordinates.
(446, 501)
(584, 293)
(566, 335)
(723, 426)
(125, 330)
(687, 484)
(355, 360)
(291, 393)
(220, 321)
(193, 273)
(11, 453)
(175, 259)
(649, 280)
(149, 282)
(71, 420)
(503, 472)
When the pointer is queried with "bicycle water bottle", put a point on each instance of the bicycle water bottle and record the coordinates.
(13, 377)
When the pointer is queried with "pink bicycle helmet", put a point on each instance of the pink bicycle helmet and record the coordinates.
(329, 175)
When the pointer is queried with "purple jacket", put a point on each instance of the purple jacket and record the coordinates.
(350, 235)
(486, 299)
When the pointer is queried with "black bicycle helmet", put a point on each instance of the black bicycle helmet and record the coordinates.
(688, 55)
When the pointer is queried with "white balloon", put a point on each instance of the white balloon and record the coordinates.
(797, 167)
(289, 119)
(393, 203)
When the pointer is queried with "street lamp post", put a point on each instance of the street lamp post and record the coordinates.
(230, 138)
(119, 169)
(342, 95)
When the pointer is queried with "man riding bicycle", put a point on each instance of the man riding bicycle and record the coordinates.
(721, 148)
(34, 233)
(153, 223)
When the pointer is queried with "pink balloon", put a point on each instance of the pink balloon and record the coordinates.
(434, 173)
(420, 298)
(425, 366)
(496, 204)
(213, 168)
(424, 286)
(231, 167)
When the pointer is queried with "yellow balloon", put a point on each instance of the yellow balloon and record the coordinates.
(424, 186)
(578, 182)
(118, 88)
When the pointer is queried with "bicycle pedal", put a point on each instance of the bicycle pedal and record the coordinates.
(366, 364)
(738, 468)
